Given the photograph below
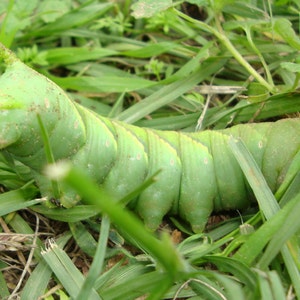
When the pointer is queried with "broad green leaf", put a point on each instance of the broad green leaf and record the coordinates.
(293, 67)
(218, 5)
(257, 92)
(198, 2)
(148, 8)
(284, 28)
(244, 10)
(52, 10)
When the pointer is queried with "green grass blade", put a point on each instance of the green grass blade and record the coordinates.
(49, 154)
(254, 245)
(276, 286)
(270, 286)
(235, 267)
(63, 267)
(232, 288)
(37, 282)
(266, 200)
(4, 292)
(291, 191)
(71, 55)
(83, 238)
(133, 288)
(169, 93)
(17, 199)
(288, 228)
(293, 269)
(83, 14)
(119, 274)
(150, 50)
(291, 175)
(98, 262)
(73, 214)
(205, 285)
(105, 84)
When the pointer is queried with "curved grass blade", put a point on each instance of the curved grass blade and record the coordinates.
(266, 200)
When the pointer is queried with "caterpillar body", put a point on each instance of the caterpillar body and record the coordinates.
(198, 171)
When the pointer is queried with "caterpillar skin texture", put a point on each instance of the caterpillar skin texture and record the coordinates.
(198, 171)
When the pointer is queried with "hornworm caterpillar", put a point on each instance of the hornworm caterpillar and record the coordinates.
(199, 173)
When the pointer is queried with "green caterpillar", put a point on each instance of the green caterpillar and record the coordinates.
(199, 173)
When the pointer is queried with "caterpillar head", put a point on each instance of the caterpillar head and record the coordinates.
(22, 97)
(24, 94)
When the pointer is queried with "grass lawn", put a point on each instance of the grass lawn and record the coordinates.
(181, 66)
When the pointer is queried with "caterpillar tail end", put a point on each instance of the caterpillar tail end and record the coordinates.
(198, 228)
(152, 225)
(198, 219)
